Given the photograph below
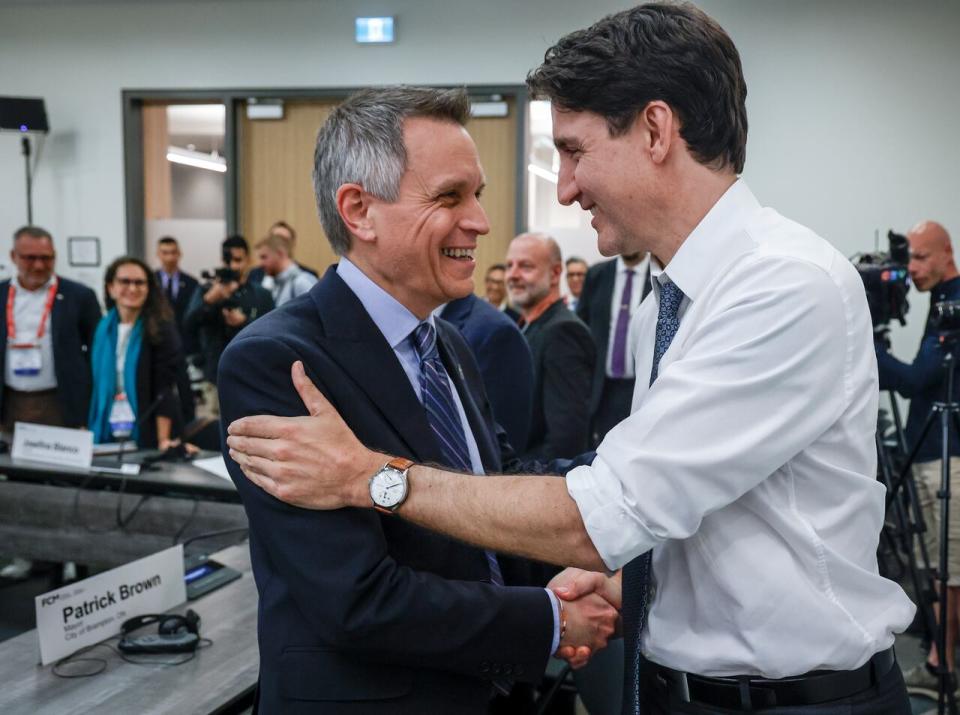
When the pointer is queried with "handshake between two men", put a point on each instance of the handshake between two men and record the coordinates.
(317, 462)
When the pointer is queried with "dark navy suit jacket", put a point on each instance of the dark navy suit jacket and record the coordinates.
(361, 612)
(504, 359)
(73, 321)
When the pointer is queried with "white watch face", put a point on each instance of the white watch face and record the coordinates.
(387, 488)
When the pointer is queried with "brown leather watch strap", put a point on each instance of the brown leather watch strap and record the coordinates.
(401, 464)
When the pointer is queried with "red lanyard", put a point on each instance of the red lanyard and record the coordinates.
(47, 309)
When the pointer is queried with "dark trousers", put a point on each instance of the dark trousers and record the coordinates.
(614, 407)
(42, 408)
(887, 697)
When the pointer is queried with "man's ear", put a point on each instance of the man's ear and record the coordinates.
(660, 126)
(353, 205)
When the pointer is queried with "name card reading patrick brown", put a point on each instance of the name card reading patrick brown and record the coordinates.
(91, 610)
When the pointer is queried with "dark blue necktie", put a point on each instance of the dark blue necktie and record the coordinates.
(636, 574)
(443, 416)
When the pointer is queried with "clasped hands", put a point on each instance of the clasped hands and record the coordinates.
(270, 452)
(591, 605)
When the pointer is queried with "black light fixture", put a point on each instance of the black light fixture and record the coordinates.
(25, 115)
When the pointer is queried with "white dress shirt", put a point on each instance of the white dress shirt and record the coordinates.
(636, 293)
(289, 284)
(28, 308)
(749, 467)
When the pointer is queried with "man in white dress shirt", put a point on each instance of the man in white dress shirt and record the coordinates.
(289, 279)
(747, 468)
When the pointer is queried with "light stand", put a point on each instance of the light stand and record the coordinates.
(947, 410)
(25, 145)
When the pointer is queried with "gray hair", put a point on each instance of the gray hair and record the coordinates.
(362, 143)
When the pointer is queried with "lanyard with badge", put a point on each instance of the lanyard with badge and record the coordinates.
(26, 359)
(121, 418)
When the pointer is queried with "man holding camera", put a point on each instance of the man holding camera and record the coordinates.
(221, 309)
(932, 268)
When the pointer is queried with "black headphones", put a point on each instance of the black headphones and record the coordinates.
(170, 624)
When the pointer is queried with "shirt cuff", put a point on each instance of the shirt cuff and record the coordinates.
(555, 604)
(612, 524)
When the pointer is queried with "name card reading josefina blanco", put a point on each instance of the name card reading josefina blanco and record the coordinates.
(56, 445)
(91, 610)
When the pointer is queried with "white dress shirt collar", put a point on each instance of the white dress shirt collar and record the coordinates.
(715, 242)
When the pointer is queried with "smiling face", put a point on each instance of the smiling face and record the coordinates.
(611, 177)
(129, 287)
(34, 258)
(532, 272)
(421, 247)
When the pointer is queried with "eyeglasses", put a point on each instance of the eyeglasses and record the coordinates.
(131, 282)
(33, 258)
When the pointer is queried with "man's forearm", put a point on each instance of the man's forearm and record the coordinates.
(528, 516)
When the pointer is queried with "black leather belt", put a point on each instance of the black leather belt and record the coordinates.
(749, 693)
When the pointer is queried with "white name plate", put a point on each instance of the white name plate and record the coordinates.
(91, 610)
(55, 445)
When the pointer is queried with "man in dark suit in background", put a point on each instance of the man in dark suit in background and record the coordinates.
(360, 612)
(504, 360)
(611, 294)
(179, 288)
(46, 336)
(563, 351)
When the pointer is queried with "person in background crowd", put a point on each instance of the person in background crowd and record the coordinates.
(563, 351)
(47, 332)
(495, 291)
(576, 272)
(504, 359)
(289, 280)
(279, 228)
(612, 292)
(135, 355)
(932, 269)
(179, 288)
(221, 310)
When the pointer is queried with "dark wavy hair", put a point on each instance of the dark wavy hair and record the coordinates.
(156, 309)
(673, 52)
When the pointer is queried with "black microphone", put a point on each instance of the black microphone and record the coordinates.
(146, 415)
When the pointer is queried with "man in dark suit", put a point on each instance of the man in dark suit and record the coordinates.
(46, 360)
(179, 288)
(46, 337)
(611, 294)
(563, 351)
(504, 359)
(177, 285)
(360, 612)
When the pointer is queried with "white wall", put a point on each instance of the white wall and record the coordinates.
(853, 106)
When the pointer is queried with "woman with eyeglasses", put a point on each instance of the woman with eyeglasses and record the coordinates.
(135, 354)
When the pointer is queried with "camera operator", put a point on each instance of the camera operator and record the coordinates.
(221, 309)
(932, 268)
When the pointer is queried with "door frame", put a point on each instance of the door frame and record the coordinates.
(233, 100)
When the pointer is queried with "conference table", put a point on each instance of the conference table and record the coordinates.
(101, 518)
(220, 679)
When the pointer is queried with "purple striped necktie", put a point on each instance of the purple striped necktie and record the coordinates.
(618, 362)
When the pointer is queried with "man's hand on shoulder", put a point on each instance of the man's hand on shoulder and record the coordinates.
(314, 462)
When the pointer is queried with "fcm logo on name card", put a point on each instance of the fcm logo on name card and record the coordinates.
(89, 611)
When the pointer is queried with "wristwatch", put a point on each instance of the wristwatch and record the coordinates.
(388, 487)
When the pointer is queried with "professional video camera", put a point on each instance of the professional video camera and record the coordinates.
(221, 275)
(945, 318)
(886, 281)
